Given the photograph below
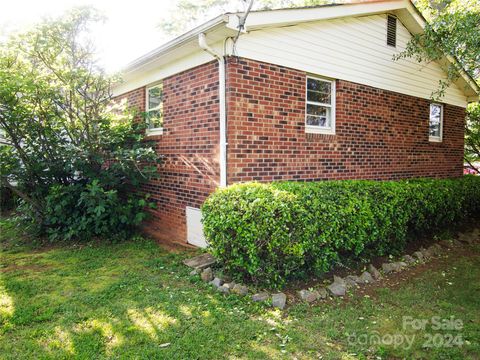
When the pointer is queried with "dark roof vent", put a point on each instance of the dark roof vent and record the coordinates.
(391, 30)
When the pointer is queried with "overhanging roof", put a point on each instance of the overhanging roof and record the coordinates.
(182, 45)
(226, 25)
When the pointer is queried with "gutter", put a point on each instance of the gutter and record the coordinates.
(202, 42)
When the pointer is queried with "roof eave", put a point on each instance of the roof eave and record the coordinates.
(178, 41)
(285, 17)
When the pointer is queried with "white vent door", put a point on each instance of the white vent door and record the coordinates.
(195, 234)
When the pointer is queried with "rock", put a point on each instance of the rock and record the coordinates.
(446, 244)
(240, 290)
(388, 268)
(456, 243)
(466, 238)
(393, 267)
(437, 249)
(366, 278)
(226, 278)
(429, 252)
(217, 282)
(352, 280)
(322, 293)
(262, 296)
(194, 272)
(338, 287)
(279, 300)
(374, 272)
(476, 235)
(419, 256)
(224, 289)
(409, 259)
(229, 285)
(207, 275)
(200, 262)
(308, 296)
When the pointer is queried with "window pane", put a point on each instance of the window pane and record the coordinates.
(435, 119)
(319, 91)
(435, 130)
(319, 85)
(155, 119)
(319, 97)
(316, 110)
(318, 115)
(155, 96)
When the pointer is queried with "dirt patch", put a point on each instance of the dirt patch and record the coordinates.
(443, 260)
(14, 267)
(396, 280)
(176, 246)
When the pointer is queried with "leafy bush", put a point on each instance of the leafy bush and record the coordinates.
(77, 211)
(7, 199)
(271, 232)
(71, 156)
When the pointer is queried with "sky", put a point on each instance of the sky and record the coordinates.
(130, 30)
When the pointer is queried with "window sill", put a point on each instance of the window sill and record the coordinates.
(435, 140)
(154, 132)
(314, 130)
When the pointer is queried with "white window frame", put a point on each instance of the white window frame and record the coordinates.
(152, 131)
(436, 138)
(317, 129)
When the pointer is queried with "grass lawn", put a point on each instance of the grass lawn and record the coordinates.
(136, 300)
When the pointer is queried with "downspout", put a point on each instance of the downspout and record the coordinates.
(202, 41)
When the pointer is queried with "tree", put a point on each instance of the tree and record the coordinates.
(188, 13)
(452, 30)
(472, 136)
(71, 159)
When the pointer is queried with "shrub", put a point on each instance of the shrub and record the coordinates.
(83, 212)
(72, 156)
(271, 232)
(7, 199)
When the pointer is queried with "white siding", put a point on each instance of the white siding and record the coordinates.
(141, 78)
(352, 49)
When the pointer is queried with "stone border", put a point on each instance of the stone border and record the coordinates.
(339, 286)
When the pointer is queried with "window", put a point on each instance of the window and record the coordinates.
(154, 109)
(320, 106)
(436, 122)
(391, 30)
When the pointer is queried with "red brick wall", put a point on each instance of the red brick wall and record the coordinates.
(190, 170)
(379, 134)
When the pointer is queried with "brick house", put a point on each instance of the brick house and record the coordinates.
(300, 94)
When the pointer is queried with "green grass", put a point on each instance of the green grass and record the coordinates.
(128, 300)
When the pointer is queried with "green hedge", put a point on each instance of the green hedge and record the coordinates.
(271, 232)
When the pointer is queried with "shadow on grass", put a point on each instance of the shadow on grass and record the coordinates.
(135, 300)
(130, 300)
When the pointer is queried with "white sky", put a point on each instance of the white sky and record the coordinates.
(129, 31)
